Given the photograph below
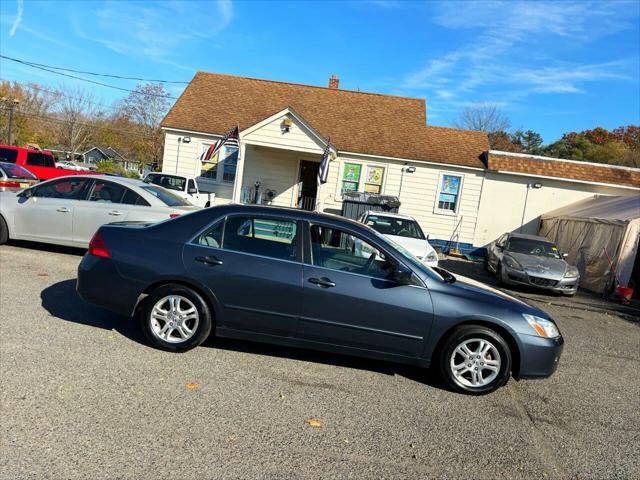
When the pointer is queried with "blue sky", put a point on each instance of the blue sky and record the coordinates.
(551, 67)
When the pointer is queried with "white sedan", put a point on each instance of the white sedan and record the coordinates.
(69, 210)
(403, 230)
(69, 165)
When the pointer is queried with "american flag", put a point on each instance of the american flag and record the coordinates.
(231, 139)
(323, 171)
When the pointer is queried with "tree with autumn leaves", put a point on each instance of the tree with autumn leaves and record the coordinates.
(620, 146)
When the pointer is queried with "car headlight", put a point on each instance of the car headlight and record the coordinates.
(571, 272)
(542, 326)
(511, 263)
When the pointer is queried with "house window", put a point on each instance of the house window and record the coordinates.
(230, 163)
(221, 167)
(449, 193)
(351, 177)
(362, 178)
(373, 179)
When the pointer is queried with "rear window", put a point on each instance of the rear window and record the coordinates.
(165, 196)
(16, 171)
(167, 181)
(8, 155)
(39, 159)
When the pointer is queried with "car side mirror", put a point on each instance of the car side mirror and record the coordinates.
(28, 193)
(500, 247)
(402, 275)
(192, 191)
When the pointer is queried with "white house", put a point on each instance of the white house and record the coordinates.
(461, 193)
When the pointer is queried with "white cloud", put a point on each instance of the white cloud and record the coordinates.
(18, 20)
(160, 31)
(515, 53)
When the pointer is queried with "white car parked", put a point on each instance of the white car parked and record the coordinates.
(69, 210)
(184, 186)
(69, 165)
(403, 230)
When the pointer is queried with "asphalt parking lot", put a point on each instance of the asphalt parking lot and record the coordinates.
(82, 396)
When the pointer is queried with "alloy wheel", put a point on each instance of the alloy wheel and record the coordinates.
(174, 319)
(475, 363)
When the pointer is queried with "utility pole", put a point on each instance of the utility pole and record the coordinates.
(10, 105)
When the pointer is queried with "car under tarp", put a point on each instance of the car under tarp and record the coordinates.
(592, 229)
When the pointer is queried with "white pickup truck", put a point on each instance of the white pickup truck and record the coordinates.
(184, 186)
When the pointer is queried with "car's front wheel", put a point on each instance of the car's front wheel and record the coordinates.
(475, 359)
(176, 318)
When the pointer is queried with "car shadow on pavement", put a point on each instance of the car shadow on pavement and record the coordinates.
(62, 301)
(48, 247)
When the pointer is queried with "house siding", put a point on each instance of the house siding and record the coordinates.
(503, 202)
(418, 194)
(271, 134)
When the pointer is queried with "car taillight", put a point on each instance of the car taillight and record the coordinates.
(97, 247)
(9, 184)
(174, 215)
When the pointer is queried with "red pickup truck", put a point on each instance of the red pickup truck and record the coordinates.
(40, 163)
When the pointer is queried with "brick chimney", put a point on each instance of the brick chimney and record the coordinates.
(333, 81)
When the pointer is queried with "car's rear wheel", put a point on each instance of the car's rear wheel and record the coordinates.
(475, 359)
(176, 318)
(4, 231)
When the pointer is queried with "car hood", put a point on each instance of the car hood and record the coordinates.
(542, 266)
(473, 286)
(416, 246)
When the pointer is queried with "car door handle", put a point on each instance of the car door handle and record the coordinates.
(63, 210)
(209, 260)
(322, 282)
(115, 213)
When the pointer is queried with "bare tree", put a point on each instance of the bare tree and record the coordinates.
(484, 117)
(75, 110)
(146, 106)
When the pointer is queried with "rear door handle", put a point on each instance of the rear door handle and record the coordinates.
(63, 210)
(209, 260)
(115, 213)
(322, 282)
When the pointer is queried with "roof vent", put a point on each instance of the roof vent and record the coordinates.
(333, 81)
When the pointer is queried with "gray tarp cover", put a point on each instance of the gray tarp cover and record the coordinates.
(585, 229)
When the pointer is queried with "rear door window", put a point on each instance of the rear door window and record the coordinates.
(8, 155)
(66, 189)
(268, 237)
(106, 192)
(39, 159)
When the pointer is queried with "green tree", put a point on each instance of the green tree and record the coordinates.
(529, 141)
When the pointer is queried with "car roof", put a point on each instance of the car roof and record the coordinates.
(529, 237)
(380, 213)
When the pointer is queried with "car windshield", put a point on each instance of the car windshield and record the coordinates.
(413, 260)
(169, 182)
(165, 196)
(531, 246)
(401, 227)
(16, 171)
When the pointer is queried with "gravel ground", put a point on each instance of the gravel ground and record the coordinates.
(83, 397)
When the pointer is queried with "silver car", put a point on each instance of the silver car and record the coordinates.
(519, 259)
(69, 210)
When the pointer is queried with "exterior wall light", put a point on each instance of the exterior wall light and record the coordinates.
(287, 123)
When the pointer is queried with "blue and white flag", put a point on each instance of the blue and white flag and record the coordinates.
(323, 171)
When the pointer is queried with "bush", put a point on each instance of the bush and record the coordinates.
(109, 166)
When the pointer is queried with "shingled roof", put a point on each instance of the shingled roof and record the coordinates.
(356, 122)
(560, 168)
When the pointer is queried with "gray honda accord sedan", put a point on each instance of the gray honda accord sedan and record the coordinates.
(293, 278)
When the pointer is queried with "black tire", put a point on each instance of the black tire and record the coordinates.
(460, 382)
(4, 231)
(201, 331)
